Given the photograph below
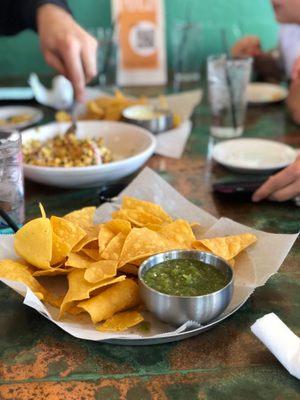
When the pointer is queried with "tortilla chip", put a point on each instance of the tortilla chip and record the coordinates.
(121, 321)
(130, 269)
(76, 260)
(229, 247)
(80, 289)
(92, 253)
(119, 225)
(100, 270)
(124, 294)
(137, 217)
(16, 271)
(33, 242)
(147, 206)
(84, 217)
(60, 249)
(67, 230)
(180, 231)
(54, 271)
(104, 237)
(114, 247)
(42, 210)
(142, 243)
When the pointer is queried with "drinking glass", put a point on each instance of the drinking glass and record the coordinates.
(227, 90)
(11, 177)
(106, 55)
(186, 55)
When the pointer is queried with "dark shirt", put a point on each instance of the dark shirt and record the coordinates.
(17, 15)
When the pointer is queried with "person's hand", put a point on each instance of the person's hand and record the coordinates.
(296, 70)
(248, 46)
(282, 186)
(67, 47)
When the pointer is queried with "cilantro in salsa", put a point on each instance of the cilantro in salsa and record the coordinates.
(183, 277)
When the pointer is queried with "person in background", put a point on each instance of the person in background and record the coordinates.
(285, 184)
(65, 45)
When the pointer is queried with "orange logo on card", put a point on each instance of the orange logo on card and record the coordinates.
(138, 25)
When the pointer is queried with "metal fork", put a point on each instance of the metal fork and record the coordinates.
(72, 112)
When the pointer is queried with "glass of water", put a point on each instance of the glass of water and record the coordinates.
(11, 177)
(106, 55)
(186, 55)
(227, 89)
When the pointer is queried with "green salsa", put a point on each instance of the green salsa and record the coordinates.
(183, 277)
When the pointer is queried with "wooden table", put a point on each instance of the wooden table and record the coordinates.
(40, 361)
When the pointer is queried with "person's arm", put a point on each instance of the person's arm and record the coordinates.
(18, 15)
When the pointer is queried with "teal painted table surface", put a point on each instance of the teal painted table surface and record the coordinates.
(40, 361)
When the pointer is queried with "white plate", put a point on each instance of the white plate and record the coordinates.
(253, 155)
(263, 93)
(10, 111)
(131, 146)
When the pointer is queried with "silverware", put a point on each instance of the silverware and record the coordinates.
(72, 111)
(162, 118)
(176, 310)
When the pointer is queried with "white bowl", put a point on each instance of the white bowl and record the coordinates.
(131, 146)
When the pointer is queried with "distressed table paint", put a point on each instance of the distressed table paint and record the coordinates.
(39, 361)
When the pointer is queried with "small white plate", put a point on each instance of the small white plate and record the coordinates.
(264, 93)
(253, 155)
(35, 115)
(131, 146)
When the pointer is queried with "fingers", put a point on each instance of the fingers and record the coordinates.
(274, 183)
(89, 60)
(55, 62)
(287, 192)
(74, 68)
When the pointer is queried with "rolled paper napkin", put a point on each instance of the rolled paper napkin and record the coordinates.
(280, 340)
(60, 96)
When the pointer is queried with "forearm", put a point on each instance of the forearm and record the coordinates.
(17, 15)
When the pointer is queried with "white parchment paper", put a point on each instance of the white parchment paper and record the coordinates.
(253, 267)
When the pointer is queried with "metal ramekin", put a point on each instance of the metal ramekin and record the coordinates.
(159, 124)
(176, 310)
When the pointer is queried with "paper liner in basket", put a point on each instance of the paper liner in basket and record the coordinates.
(252, 269)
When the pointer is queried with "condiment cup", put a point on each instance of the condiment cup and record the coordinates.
(176, 310)
(154, 119)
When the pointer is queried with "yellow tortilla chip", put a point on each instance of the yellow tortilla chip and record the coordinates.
(180, 231)
(76, 260)
(84, 217)
(100, 270)
(42, 210)
(104, 237)
(121, 321)
(137, 217)
(33, 242)
(16, 271)
(147, 206)
(229, 247)
(124, 294)
(67, 230)
(53, 271)
(142, 243)
(119, 225)
(80, 289)
(129, 269)
(114, 247)
(60, 249)
(92, 253)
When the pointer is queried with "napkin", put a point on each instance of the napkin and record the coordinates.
(280, 340)
(172, 142)
(60, 96)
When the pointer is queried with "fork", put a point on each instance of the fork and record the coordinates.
(72, 111)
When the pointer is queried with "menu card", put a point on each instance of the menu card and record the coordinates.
(141, 42)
